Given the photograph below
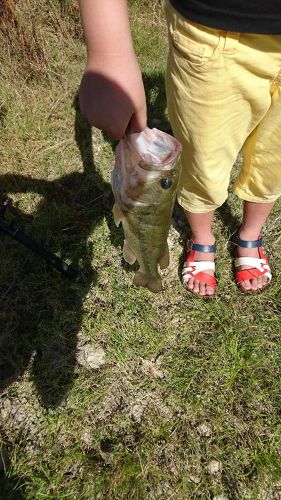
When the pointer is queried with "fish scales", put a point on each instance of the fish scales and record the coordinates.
(145, 230)
(144, 198)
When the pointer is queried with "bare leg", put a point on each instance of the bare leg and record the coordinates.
(201, 228)
(254, 216)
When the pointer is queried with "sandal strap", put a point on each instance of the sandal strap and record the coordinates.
(250, 261)
(248, 274)
(202, 277)
(248, 244)
(195, 269)
(198, 266)
(207, 279)
(201, 248)
(259, 267)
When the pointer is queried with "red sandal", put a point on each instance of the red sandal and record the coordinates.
(259, 267)
(195, 269)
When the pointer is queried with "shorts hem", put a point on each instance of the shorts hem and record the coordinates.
(195, 209)
(255, 199)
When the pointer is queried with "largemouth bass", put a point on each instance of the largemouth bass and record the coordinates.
(144, 182)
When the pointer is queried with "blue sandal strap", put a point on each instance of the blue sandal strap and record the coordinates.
(249, 244)
(202, 248)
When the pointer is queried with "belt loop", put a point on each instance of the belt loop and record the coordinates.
(222, 40)
(231, 40)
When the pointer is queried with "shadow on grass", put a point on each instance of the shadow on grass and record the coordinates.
(11, 488)
(41, 311)
(154, 85)
(232, 223)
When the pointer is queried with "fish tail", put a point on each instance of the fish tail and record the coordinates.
(153, 284)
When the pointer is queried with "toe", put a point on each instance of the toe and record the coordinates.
(265, 281)
(245, 285)
(202, 289)
(209, 290)
(260, 283)
(254, 284)
(196, 286)
(190, 283)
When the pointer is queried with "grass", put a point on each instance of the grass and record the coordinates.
(186, 402)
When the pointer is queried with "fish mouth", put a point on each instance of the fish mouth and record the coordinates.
(156, 150)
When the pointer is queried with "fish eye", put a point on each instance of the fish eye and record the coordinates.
(166, 183)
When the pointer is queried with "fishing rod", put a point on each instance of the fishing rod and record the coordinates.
(16, 233)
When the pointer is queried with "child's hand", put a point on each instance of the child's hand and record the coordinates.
(111, 94)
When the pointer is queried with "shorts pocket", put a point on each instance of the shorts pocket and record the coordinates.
(194, 46)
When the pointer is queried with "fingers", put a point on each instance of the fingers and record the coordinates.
(138, 121)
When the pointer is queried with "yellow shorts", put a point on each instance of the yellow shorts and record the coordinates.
(224, 95)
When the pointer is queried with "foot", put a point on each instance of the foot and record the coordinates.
(196, 285)
(257, 282)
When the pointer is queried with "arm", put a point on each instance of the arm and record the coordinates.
(111, 92)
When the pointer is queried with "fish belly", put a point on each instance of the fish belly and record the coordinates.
(146, 230)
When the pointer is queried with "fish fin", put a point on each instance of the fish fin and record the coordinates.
(165, 259)
(153, 284)
(117, 214)
(128, 253)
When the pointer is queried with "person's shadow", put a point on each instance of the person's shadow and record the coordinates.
(41, 311)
